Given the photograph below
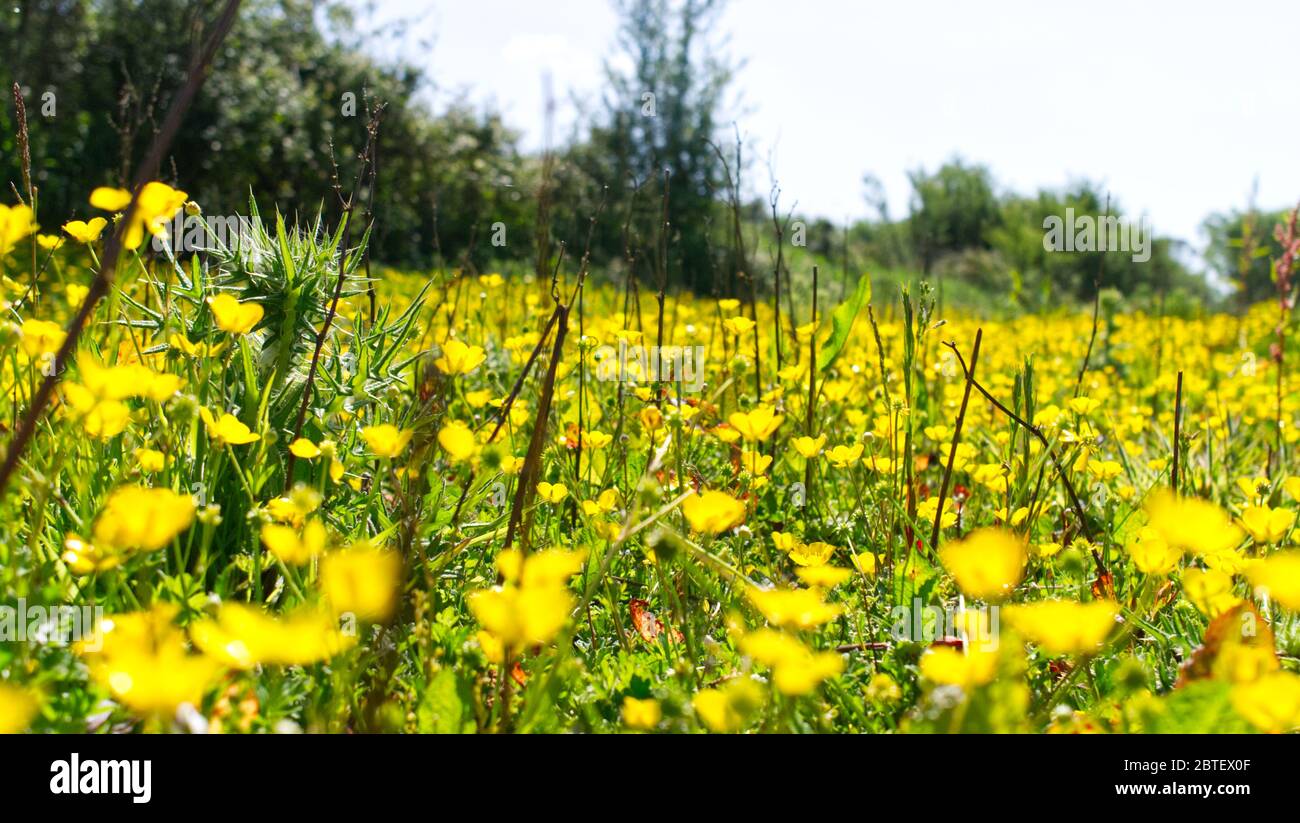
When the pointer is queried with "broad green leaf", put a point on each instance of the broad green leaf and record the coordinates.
(443, 707)
(842, 319)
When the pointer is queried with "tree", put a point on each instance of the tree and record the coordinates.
(650, 147)
(951, 209)
(284, 105)
(1240, 248)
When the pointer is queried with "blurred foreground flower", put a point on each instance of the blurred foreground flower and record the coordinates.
(729, 708)
(1064, 626)
(142, 659)
(17, 708)
(386, 440)
(242, 636)
(361, 580)
(987, 564)
(533, 602)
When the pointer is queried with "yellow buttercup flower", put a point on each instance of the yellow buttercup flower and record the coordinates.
(291, 547)
(728, 709)
(927, 508)
(233, 316)
(1151, 554)
(156, 204)
(1292, 487)
(242, 636)
(41, 337)
(545, 568)
(1210, 591)
(519, 617)
(1015, 518)
(948, 666)
(84, 558)
(552, 492)
(796, 669)
(533, 604)
(865, 562)
(100, 418)
(17, 708)
(459, 358)
(150, 460)
(142, 660)
(812, 554)
(386, 440)
(457, 440)
(1267, 525)
(227, 430)
(123, 381)
(76, 294)
(134, 517)
(1271, 703)
(1083, 405)
(603, 504)
(809, 447)
(1189, 523)
(1064, 626)
(755, 463)
(738, 325)
(1254, 487)
(641, 713)
(304, 448)
(842, 457)
(110, 199)
(797, 608)
(294, 508)
(85, 231)
(825, 577)
(757, 425)
(362, 581)
(713, 512)
(1279, 576)
(784, 541)
(16, 223)
(197, 350)
(596, 439)
(725, 433)
(987, 564)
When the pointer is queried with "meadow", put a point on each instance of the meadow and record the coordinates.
(297, 498)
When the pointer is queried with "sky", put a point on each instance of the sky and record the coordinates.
(1175, 107)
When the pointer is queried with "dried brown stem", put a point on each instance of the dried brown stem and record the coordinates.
(956, 438)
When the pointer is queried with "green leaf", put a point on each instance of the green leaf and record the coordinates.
(842, 319)
(443, 706)
(286, 256)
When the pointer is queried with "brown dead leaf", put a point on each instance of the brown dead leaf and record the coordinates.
(1238, 646)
